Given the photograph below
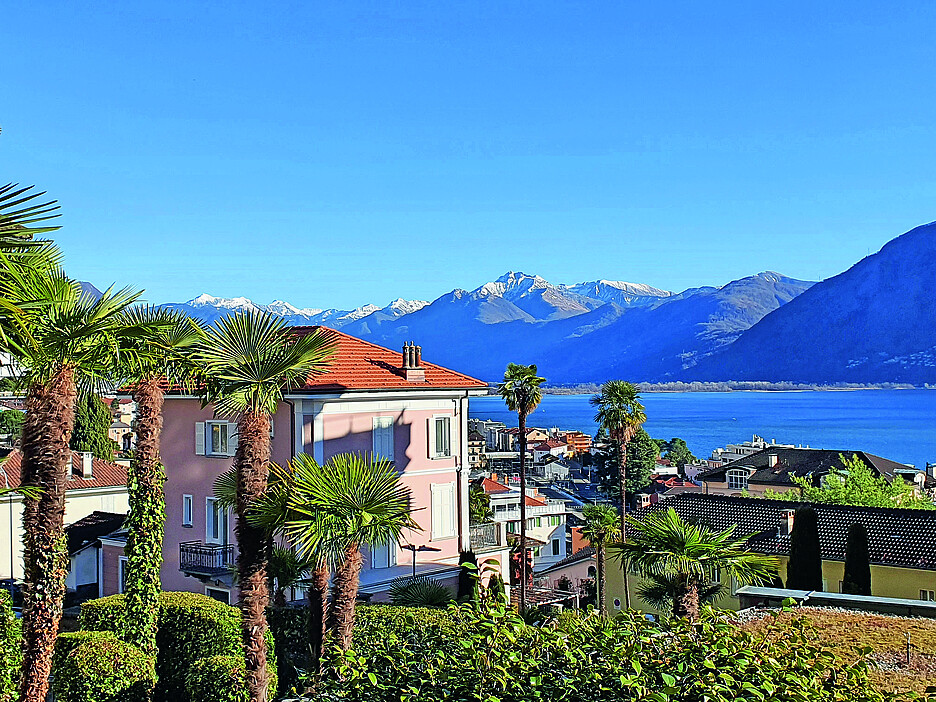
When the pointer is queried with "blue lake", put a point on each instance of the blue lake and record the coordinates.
(895, 424)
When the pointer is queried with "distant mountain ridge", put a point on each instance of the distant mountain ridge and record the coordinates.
(575, 333)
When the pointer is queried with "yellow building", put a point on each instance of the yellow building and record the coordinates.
(901, 543)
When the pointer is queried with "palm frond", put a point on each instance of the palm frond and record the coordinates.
(419, 592)
(521, 388)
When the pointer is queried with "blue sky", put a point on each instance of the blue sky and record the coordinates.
(333, 154)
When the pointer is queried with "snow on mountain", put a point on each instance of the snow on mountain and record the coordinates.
(620, 292)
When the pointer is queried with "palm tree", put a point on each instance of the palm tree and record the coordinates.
(688, 557)
(601, 529)
(159, 343)
(521, 392)
(287, 569)
(247, 359)
(334, 509)
(61, 340)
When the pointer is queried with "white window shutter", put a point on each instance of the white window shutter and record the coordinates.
(232, 438)
(450, 509)
(431, 433)
(199, 438)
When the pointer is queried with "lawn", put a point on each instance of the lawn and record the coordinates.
(886, 637)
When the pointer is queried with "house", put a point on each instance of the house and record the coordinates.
(371, 400)
(86, 556)
(735, 452)
(902, 542)
(121, 434)
(577, 571)
(546, 519)
(661, 487)
(477, 455)
(775, 467)
(550, 447)
(577, 441)
(94, 485)
(494, 433)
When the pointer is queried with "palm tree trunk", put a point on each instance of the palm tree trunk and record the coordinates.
(600, 581)
(523, 522)
(147, 519)
(318, 610)
(347, 579)
(253, 466)
(50, 416)
(622, 481)
(686, 600)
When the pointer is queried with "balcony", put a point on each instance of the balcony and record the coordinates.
(197, 558)
(486, 537)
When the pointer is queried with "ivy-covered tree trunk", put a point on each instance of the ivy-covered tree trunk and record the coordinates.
(147, 520)
(50, 415)
(318, 614)
(253, 467)
(347, 581)
(600, 579)
(686, 600)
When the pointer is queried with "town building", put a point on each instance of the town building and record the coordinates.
(775, 467)
(477, 451)
(578, 442)
(735, 452)
(94, 485)
(89, 558)
(371, 401)
(901, 543)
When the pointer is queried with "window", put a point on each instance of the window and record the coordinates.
(440, 437)
(216, 522)
(383, 556)
(383, 438)
(555, 520)
(928, 595)
(217, 438)
(186, 510)
(555, 547)
(122, 575)
(216, 593)
(443, 510)
(737, 479)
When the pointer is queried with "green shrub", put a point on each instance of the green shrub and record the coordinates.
(96, 666)
(500, 657)
(217, 679)
(11, 649)
(290, 629)
(421, 592)
(191, 627)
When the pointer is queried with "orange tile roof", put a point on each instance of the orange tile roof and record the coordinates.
(361, 365)
(492, 486)
(533, 502)
(106, 474)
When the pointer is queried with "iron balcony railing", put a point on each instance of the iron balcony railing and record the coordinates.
(207, 559)
(484, 536)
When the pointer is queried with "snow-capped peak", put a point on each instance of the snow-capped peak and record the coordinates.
(231, 303)
(399, 307)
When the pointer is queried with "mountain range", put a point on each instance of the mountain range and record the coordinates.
(872, 323)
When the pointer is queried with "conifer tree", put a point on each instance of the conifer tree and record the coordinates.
(468, 578)
(857, 578)
(92, 424)
(804, 570)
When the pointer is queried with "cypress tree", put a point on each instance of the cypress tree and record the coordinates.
(804, 570)
(92, 424)
(857, 578)
(468, 578)
(496, 590)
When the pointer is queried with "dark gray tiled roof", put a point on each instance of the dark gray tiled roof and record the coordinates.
(904, 538)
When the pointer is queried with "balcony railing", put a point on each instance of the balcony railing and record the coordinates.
(484, 536)
(205, 559)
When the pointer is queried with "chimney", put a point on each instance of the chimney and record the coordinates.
(87, 463)
(412, 362)
(786, 522)
(772, 460)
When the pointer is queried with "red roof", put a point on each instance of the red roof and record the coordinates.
(492, 486)
(549, 444)
(361, 365)
(105, 474)
(533, 502)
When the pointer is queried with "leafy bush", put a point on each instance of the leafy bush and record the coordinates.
(96, 666)
(217, 679)
(191, 627)
(589, 658)
(420, 592)
(11, 649)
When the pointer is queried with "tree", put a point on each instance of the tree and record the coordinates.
(677, 452)
(160, 340)
(331, 510)
(856, 484)
(11, 422)
(468, 578)
(688, 557)
(521, 392)
(642, 454)
(62, 341)
(804, 569)
(287, 569)
(479, 506)
(496, 592)
(92, 428)
(621, 414)
(247, 359)
(857, 578)
(600, 530)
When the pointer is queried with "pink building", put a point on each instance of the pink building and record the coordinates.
(371, 400)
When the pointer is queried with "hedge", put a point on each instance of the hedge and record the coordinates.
(191, 627)
(96, 666)
(217, 679)
(11, 649)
